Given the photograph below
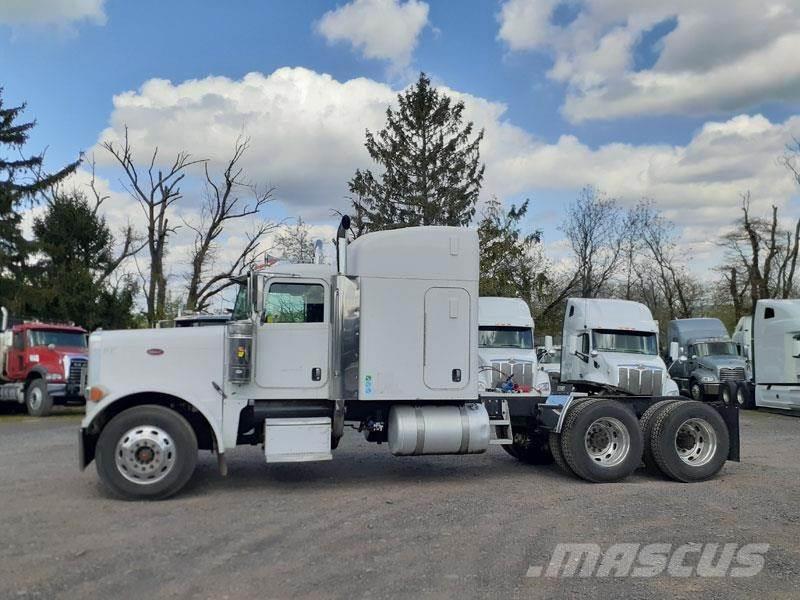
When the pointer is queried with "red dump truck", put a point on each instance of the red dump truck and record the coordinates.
(42, 364)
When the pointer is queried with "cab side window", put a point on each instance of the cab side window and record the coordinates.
(19, 341)
(295, 303)
(583, 343)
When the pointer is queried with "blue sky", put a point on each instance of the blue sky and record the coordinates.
(638, 98)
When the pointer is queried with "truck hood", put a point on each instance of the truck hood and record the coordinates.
(721, 362)
(506, 354)
(182, 361)
(614, 360)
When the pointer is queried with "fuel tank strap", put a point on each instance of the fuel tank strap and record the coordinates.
(464, 429)
(420, 430)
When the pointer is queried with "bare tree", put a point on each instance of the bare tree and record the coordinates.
(130, 244)
(295, 243)
(672, 279)
(764, 253)
(594, 227)
(223, 203)
(156, 189)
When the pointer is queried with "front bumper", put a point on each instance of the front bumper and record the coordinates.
(711, 389)
(64, 390)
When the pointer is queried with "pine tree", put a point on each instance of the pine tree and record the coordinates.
(511, 263)
(76, 259)
(431, 174)
(22, 181)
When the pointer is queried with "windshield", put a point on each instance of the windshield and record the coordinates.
(629, 342)
(548, 358)
(506, 337)
(715, 349)
(241, 310)
(41, 337)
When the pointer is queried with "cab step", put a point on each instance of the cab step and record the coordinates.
(297, 439)
(501, 425)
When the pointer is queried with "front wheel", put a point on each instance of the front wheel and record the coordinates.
(696, 391)
(146, 452)
(529, 448)
(727, 392)
(745, 399)
(37, 399)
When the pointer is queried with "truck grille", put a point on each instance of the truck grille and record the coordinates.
(521, 370)
(641, 382)
(76, 367)
(731, 374)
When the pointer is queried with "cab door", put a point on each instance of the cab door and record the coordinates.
(293, 339)
(447, 338)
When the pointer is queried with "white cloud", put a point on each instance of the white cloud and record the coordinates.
(722, 56)
(382, 29)
(306, 128)
(307, 133)
(51, 12)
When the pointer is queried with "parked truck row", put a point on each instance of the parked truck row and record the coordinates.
(393, 342)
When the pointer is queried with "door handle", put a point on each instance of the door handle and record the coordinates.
(316, 374)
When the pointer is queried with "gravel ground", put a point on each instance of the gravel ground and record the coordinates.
(375, 526)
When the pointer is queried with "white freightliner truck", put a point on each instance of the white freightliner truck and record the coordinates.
(769, 341)
(506, 354)
(386, 343)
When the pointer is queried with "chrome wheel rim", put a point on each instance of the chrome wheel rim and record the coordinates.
(740, 397)
(35, 399)
(696, 442)
(696, 391)
(145, 455)
(607, 441)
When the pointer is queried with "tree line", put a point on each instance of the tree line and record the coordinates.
(427, 172)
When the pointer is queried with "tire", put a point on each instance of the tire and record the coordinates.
(696, 391)
(689, 441)
(558, 455)
(532, 450)
(727, 392)
(646, 425)
(745, 397)
(601, 440)
(38, 402)
(168, 447)
(510, 449)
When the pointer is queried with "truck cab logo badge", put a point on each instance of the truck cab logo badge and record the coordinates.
(155, 351)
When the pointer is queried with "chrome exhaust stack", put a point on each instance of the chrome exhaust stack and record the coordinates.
(341, 245)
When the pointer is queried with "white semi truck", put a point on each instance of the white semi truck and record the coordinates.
(386, 343)
(770, 342)
(506, 354)
(611, 346)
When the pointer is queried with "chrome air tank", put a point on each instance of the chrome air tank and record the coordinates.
(456, 429)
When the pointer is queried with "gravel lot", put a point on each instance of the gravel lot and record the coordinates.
(375, 526)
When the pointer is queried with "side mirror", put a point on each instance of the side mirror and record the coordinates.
(682, 358)
(593, 353)
(548, 343)
(571, 344)
(256, 292)
(51, 346)
(796, 347)
(694, 356)
(674, 351)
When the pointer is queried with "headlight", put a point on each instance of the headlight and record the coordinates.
(54, 377)
(708, 379)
